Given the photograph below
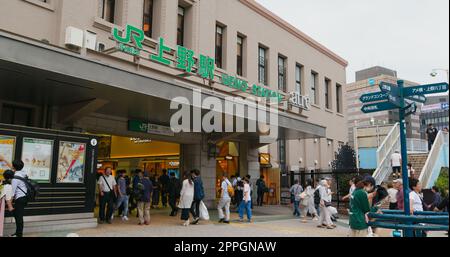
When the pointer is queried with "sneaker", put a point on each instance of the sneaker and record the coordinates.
(241, 220)
(315, 219)
(124, 218)
(221, 220)
(249, 221)
(226, 221)
(195, 221)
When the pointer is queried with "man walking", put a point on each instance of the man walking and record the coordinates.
(260, 190)
(123, 198)
(19, 190)
(431, 134)
(225, 200)
(107, 189)
(173, 190)
(164, 182)
(199, 194)
(296, 190)
(396, 164)
(144, 203)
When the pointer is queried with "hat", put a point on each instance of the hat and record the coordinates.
(398, 181)
(370, 179)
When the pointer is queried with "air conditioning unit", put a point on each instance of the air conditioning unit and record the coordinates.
(90, 40)
(74, 37)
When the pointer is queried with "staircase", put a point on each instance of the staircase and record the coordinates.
(418, 162)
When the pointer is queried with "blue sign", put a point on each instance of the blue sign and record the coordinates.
(426, 89)
(395, 100)
(392, 89)
(378, 107)
(372, 97)
(417, 98)
(371, 82)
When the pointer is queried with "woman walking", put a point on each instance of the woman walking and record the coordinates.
(308, 202)
(186, 198)
(325, 201)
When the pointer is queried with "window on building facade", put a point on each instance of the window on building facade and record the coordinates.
(16, 115)
(327, 94)
(262, 65)
(108, 10)
(282, 73)
(338, 98)
(180, 26)
(147, 24)
(298, 78)
(219, 46)
(313, 93)
(240, 56)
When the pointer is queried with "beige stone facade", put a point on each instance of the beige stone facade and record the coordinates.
(47, 21)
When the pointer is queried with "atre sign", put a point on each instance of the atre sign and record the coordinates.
(300, 101)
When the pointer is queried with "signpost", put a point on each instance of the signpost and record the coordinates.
(396, 96)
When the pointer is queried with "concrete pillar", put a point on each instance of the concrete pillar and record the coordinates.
(196, 157)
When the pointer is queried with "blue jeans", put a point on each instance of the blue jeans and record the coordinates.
(296, 209)
(123, 200)
(248, 208)
(317, 206)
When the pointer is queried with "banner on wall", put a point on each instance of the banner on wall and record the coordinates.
(37, 157)
(71, 159)
(7, 144)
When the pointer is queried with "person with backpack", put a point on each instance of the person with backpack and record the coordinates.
(260, 190)
(173, 190)
(199, 194)
(145, 189)
(226, 192)
(21, 191)
(108, 191)
(296, 190)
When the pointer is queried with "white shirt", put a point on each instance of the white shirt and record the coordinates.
(224, 187)
(19, 188)
(352, 189)
(392, 192)
(7, 192)
(416, 201)
(396, 160)
(111, 182)
(246, 192)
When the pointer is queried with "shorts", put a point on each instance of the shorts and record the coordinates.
(396, 169)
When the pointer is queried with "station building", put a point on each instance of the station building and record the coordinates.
(89, 84)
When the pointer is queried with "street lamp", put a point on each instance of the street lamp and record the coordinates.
(434, 72)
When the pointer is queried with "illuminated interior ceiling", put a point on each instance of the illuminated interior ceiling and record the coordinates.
(125, 147)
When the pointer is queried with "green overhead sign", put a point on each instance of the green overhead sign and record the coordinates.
(131, 42)
(378, 107)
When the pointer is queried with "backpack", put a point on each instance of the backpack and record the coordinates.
(317, 196)
(32, 188)
(230, 190)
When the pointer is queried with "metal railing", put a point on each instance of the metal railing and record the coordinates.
(430, 165)
(415, 145)
(390, 144)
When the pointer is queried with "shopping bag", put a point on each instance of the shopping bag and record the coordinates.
(204, 215)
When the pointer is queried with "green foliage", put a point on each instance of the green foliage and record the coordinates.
(442, 182)
(345, 160)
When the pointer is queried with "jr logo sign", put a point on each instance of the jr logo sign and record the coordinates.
(132, 34)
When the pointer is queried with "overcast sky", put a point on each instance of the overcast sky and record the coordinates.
(410, 36)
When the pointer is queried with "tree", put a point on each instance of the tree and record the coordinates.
(345, 160)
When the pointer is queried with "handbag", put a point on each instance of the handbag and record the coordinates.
(204, 215)
(114, 196)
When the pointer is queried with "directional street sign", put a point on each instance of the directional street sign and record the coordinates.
(392, 89)
(394, 100)
(372, 97)
(378, 107)
(411, 109)
(417, 98)
(425, 89)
